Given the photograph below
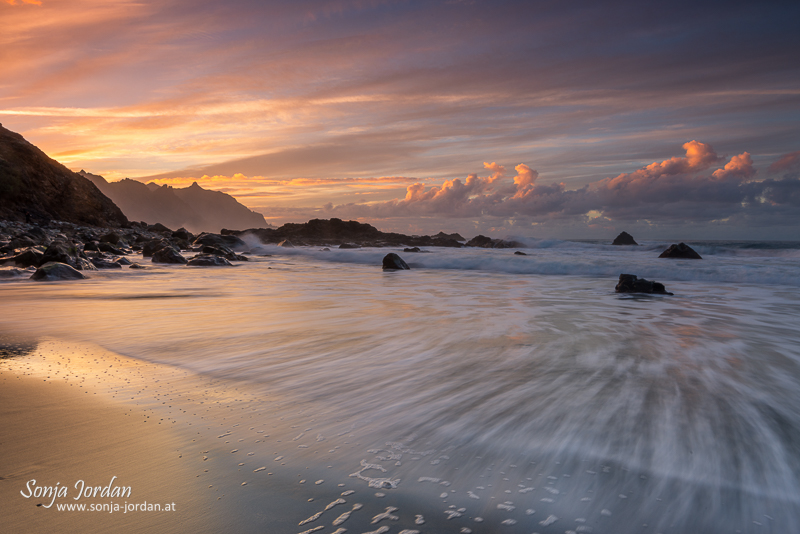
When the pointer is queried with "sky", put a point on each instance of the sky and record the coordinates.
(536, 118)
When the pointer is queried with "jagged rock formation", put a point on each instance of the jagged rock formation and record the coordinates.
(624, 239)
(681, 251)
(35, 188)
(191, 207)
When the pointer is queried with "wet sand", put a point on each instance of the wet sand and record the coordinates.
(74, 412)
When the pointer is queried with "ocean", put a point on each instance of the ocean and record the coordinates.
(483, 391)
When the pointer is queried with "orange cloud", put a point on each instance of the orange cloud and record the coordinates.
(740, 166)
(21, 2)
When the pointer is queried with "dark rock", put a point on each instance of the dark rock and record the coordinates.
(27, 258)
(231, 241)
(682, 251)
(137, 266)
(110, 237)
(63, 252)
(102, 263)
(151, 247)
(326, 249)
(122, 260)
(22, 241)
(107, 247)
(209, 260)
(182, 233)
(286, 244)
(349, 245)
(519, 253)
(630, 283)
(454, 237)
(168, 255)
(393, 261)
(624, 239)
(91, 246)
(57, 271)
(158, 227)
(412, 249)
(487, 242)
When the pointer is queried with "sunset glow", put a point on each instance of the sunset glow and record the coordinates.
(388, 111)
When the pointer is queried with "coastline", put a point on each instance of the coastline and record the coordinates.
(75, 417)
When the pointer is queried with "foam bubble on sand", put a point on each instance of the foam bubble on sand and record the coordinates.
(341, 519)
(530, 511)
(549, 521)
(429, 479)
(472, 495)
(507, 506)
(386, 515)
(452, 514)
(259, 469)
(310, 519)
(318, 482)
(508, 522)
(379, 531)
(334, 503)
(419, 520)
(409, 531)
(309, 531)
(348, 492)
(340, 531)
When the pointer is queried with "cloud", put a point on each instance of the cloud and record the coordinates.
(21, 2)
(685, 188)
(787, 163)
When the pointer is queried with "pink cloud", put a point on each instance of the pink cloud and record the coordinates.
(787, 162)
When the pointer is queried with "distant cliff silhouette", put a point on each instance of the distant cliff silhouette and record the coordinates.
(38, 189)
(194, 208)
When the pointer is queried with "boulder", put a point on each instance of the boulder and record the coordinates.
(168, 255)
(110, 237)
(286, 244)
(108, 247)
(412, 249)
(27, 258)
(519, 253)
(63, 252)
(151, 247)
(158, 227)
(182, 233)
(209, 260)
(137, 266)
(630, 283)
(56, 271)
(624, 239)
(394, 262)
(681, 251)
(90, 246)
(122, 260)
(102, 263)
(231, 241)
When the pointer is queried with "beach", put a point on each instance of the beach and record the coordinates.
(480, 391)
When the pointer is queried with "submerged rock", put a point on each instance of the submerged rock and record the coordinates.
(102, 263)
(393, 261)
(12, 273)
(412, 249)
(624, 239)
(681, 251)
(520, 253)
(209, 260)
(57, 271)
(630, 283)
(137, 266)
(286, 244)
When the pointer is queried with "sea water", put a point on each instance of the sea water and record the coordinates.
(502, 392)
